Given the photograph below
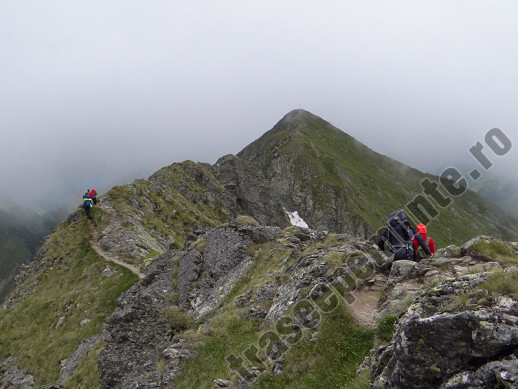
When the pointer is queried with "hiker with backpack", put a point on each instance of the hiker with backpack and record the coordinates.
(93, 195)
(87, 204)
(399, 237)
(418, 251)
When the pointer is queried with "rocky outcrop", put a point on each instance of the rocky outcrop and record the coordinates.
(136, 334)
(443, 342)
(360, 262)
(12, 376)
(144, 343)
(250, 194)
(69, 365)
(126, 236)
(211, 267)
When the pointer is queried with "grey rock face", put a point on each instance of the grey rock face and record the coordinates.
(499, 374)
(402, 269)
(251, 194)
(265, 293)
(209, 270)
(433, 348)
(138, 335)
(12, 376)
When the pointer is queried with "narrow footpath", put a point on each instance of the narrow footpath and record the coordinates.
(94, 242)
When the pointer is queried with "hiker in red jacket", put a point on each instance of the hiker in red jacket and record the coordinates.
(93, 195)
(421, 229)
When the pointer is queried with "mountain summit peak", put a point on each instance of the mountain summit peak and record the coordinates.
(298, 115)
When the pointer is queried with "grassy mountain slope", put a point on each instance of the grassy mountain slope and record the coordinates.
(338, 183)
(61, 299)
(155, 215)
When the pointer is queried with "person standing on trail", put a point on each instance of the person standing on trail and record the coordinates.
(93, 195)
(87, 204)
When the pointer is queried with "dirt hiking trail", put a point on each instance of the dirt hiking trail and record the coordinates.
(94, 241)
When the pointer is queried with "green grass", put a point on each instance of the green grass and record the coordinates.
(385, 328)
(229, 334)
(243, 220)
(101, 219)
(504, 283)
(86, 375)
(267, 258)
(335, 258)
(70, 286)
(494, 249)
(330, 362)
(177, 318)
(461, 302)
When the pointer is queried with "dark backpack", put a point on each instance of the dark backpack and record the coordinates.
(399, 232)
(87, 202)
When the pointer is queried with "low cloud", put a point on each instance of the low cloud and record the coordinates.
(92, 93)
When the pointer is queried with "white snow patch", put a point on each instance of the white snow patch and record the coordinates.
(296, 220)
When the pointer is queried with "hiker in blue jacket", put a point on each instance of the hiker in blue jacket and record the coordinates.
(87, 203)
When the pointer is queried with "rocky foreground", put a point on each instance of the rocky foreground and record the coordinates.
(450, 331)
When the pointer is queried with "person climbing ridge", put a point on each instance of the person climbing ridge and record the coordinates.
(93, 195)
(87, 204)
(418, 251)
(399, 237)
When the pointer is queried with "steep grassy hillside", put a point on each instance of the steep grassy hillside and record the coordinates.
(339, 184)
(155, 215)
(63, 298)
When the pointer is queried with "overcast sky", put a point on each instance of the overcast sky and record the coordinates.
(95, 91)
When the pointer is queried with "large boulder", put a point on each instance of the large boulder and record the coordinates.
(435, 343)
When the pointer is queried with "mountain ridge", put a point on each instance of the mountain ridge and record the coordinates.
(377, 184)
(225, 271)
